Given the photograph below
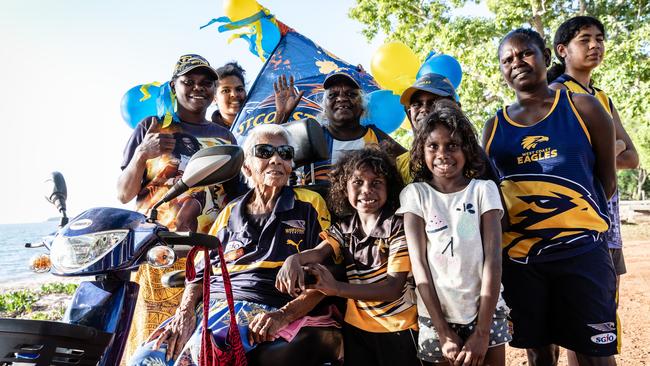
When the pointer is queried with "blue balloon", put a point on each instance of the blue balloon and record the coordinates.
(384, 111)
(444, 65)
(140, 102)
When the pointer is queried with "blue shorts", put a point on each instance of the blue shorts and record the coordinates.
(569, 302)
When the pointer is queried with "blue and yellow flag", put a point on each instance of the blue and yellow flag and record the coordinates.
(309, 64)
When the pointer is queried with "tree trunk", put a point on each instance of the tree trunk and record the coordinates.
(641, 177)
(583, 7)
(538, 9)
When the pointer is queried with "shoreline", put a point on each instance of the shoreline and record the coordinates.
(36, 280)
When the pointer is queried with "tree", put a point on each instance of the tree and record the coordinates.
(427, 25)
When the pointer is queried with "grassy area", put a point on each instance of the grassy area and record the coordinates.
(46, 303)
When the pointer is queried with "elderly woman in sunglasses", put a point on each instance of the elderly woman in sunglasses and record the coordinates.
(259, 231)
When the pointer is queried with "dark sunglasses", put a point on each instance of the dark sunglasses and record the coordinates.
(266, 151)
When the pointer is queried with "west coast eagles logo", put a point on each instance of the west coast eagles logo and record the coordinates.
(531, 153)
(548, 213)
(530, 142)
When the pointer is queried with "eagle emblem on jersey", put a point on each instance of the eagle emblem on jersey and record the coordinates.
(548, 213)
(530, 142)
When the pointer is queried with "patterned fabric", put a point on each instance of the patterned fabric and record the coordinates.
(556, 204)
(218, 322)
(162, 172)
(369, 259)
(430, 349)
(613, 235)
(230, 351)
(155, 302)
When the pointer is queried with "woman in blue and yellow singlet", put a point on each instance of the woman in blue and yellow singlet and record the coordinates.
(579, 44)
(554, 152)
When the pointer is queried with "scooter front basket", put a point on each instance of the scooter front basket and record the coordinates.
(45, 343)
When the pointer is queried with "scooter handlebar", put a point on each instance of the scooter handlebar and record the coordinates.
(189, 239)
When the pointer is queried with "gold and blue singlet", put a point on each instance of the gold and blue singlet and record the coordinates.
(556, 206)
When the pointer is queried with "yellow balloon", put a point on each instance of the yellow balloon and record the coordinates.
(394, 65)
(240, 9)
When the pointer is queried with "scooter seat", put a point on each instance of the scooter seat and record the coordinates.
(312, 346)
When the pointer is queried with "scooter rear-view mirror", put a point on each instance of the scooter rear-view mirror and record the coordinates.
(212, 165)
(56, 193)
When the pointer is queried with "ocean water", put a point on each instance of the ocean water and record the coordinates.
(14, 257)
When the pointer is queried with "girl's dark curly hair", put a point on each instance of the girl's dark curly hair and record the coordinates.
(369, 157)
(563, 35)
(461, 128)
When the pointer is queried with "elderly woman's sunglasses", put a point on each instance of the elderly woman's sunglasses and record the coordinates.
(266, 151)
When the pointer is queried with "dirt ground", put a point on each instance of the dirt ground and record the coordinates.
(634, 302)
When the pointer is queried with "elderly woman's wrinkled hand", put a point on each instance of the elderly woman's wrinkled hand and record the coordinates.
(290, 278)
(264, 327)
(176, 333)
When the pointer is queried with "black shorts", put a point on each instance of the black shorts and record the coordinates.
(379, 349)
(569, 302)
(618, 260)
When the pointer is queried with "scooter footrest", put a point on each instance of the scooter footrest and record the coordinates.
(45, 343)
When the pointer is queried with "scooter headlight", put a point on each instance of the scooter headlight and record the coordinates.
(73, 253)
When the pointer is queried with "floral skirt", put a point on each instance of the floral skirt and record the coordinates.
(218, 322)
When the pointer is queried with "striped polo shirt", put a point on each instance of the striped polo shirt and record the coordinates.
(369, 259)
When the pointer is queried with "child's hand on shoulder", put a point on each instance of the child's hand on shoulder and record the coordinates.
(290, 278)
(474, 350)
(325, 282)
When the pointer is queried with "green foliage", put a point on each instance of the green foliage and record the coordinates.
(40, 315)
(58, 288)
(427, 25)
(25, 303)
(403, 137)
(17, 301)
